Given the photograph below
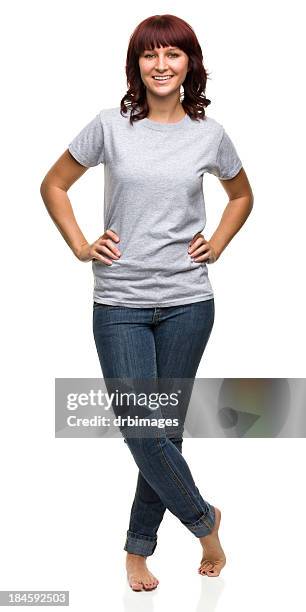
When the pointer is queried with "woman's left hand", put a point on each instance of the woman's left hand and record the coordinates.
(201, 250)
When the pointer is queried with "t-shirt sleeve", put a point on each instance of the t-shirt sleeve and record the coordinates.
(88, 146)
(227, 162)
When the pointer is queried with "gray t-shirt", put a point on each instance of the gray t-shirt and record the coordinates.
(153, 200)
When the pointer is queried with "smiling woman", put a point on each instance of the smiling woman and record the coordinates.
(153, 308)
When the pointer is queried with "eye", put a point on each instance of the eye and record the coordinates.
(151, 55)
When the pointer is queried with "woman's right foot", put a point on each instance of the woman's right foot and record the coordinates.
(213, 559)
(138, 575)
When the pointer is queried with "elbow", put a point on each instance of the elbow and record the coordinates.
(44, 192)
(251, 200)
(43, 187)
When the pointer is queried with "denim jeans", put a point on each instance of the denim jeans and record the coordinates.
(157, 342)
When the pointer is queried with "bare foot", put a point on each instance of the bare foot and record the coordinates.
(138, 575)
(213, 559)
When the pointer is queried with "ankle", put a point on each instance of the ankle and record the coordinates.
(133, 557)
(205, 540)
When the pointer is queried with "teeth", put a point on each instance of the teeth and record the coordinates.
(162, 78)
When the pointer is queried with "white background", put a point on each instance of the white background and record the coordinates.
(66, 503)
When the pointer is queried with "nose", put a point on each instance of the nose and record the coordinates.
(161, 65)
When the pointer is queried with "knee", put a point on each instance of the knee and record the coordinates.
(176, 439)
(147, 446)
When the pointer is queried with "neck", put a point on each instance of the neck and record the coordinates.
(164, 110)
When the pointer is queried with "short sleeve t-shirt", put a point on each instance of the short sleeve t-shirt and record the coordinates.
(153, 200)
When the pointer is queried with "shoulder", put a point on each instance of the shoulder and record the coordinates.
(211, 125)
(110, 116)
(208, 130)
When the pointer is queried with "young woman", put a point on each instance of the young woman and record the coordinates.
(153, 307)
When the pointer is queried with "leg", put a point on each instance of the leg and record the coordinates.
(125, 346)
(179, 355)
(178, 327)
(125, 343)
(146, 515)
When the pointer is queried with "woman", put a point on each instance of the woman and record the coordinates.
(153, 308)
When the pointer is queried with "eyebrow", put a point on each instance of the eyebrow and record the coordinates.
(169, 49)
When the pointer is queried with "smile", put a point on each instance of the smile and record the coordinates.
(162, 78)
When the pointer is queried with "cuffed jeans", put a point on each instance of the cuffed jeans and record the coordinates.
(159, 342)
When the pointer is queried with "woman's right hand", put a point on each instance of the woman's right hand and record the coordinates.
(100, 248)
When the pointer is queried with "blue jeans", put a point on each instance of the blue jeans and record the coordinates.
(158, 342)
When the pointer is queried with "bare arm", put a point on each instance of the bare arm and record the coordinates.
(236, 212)
(53, 189)
(234, 216)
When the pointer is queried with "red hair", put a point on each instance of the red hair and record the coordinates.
(164, 31)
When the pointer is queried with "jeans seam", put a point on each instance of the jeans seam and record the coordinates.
(178, 480)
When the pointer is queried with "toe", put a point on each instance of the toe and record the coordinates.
(206, 565)
(154, 581)
(149, 586)
(135, 584)
(213, 572)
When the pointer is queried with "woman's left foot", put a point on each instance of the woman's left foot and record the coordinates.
(213, 559)
(138, 575)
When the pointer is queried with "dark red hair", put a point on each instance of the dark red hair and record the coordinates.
(165, 31)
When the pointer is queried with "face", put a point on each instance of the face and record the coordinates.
(167, 61)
